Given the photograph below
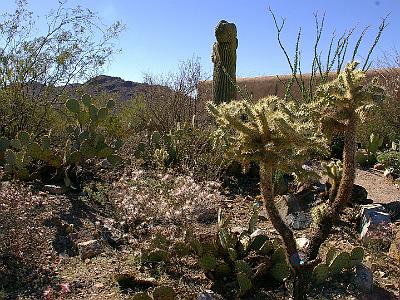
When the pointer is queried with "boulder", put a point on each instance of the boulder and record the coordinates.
(55, 189)
(394, 250)
(89, 249)
(373, 218)
(363, 279)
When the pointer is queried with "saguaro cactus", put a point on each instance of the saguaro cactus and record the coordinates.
(224, 59)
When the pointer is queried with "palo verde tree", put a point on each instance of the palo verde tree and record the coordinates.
(39, 61)
(273, 133)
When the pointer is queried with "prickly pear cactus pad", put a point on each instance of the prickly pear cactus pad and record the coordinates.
(320, 273)
(224, 59)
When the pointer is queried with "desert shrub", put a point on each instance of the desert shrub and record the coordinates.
(390, 159)
(168, 100)
(35, 70)
(187, 149)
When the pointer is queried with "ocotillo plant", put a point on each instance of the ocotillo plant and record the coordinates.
(273, 134)
(224, 59)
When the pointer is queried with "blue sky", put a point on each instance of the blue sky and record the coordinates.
(161, 33)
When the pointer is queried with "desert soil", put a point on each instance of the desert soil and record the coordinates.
(378, 187)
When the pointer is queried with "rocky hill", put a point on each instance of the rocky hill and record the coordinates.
(121, 90)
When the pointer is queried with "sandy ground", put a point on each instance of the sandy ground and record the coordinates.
(378, 187)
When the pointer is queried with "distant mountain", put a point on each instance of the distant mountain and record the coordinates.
(119, 89)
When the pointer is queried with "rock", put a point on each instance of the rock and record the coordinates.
(111, 235)
(55, 189)
(256, 233)
(89, 249)
(292, 203)
(238, 230)
(208, 295)
(302, 243)
(299, 220)
(363, 279)
(262, 215)
(373, 217)
(104, 164)
(360, 195)
(394, 250)
(379, 166)
(389, 174)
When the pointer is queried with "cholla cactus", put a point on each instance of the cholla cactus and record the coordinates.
(339, 106)
(276, 133)
(270, 133)
(334, 172)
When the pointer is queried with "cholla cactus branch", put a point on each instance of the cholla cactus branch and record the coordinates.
(270, 133)
(342, 101)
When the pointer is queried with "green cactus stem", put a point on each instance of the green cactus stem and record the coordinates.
(224, 59)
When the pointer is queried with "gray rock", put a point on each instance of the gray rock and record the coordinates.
(208, 295)
(364, 279)
(55, 189)
(111, 235)
(299, 220)
(390, 174)
(373, 217)
(89, 249)
(256, 233)
(105, 164)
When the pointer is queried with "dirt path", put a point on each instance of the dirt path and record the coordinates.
(379, 189)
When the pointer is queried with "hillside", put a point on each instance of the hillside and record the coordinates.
(122, 90)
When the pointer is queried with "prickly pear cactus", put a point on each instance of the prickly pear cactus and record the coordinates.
(244, 282)
(320, 273)
(356, 256)
(339, 263)
(86, 139)
(164, 293)
(280, 268)
(375, 141)
(207, 261)
(160, 150)
(224, 59)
